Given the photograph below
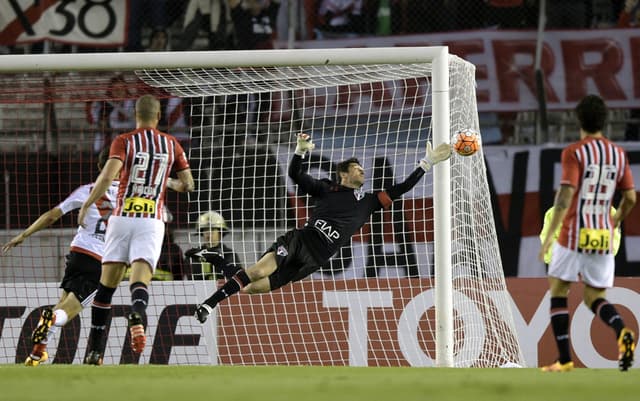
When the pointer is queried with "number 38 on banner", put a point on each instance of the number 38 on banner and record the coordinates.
(84, 22)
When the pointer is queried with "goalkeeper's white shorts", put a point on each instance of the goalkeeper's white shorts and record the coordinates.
(133, 238)
(596, 270)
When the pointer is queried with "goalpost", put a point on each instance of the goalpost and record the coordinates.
(420, 285)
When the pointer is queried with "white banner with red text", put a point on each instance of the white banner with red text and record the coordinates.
(336, 322)
(84, 22)
(574, 63)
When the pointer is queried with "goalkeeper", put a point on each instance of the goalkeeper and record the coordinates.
(341, 208)
(548, 216)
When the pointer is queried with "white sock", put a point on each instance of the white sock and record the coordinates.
(50, 334)
(61, 317)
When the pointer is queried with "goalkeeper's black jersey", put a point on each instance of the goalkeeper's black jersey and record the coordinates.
(339, 211)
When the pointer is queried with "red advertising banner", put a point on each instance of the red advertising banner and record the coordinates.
(574, 64)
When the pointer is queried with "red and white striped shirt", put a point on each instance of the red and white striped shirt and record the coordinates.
(595, 167)
(148, 156)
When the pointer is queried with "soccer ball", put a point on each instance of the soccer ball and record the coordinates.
(466, 142)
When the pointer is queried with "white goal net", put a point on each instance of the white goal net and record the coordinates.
(374, 303)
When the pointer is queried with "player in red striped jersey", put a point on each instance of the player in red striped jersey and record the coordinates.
(144, 158)
(592, 170)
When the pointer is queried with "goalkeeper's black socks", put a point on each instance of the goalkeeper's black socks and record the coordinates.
(139, 300)
(608, 313)
(560, 326)
(232, 286)
(100, 313)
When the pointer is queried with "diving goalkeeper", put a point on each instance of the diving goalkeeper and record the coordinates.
(341, 208)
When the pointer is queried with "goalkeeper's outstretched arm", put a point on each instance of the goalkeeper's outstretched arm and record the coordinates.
(307, 183)
(434, 156)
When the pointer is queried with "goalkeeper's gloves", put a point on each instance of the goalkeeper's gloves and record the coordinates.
(434, 156)
(304, 144)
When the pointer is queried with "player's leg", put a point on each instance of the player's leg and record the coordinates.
(598, 275)
(144, 251)
(51, 319)
(559, 313)
(141, 274)
(563, 270)
(78, 285)
(112, 273)
(257, 274)
(115, 258)
(258, 287)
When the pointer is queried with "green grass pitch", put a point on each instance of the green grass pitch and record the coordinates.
(264, 383)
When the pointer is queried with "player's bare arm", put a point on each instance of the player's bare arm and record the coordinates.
(111, 168)
(561, 206)
(44, 221)
(627, 202)
(184, 182)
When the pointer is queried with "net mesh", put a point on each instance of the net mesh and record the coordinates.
(373, 304)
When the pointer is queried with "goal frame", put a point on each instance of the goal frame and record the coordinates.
(437, 56)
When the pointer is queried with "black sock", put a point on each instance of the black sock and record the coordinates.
(560, 326)
(608, 313)
(100, 312)
(233, 285)
(139, 298)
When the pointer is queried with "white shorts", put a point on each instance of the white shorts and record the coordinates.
(598, 271)
(130, 238)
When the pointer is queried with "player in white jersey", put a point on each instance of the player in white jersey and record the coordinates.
(83, 266)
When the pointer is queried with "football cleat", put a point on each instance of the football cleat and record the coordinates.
(47, 319)
(558, 367)
(38, 355)
(626, 347)
(202, 312)
(136, 329)
(94, 358)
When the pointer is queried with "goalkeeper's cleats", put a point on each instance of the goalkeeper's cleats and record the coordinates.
(94, 358)
(136, 329)
(38, 355)
(626, 347)
(558, 367)
(202, 312)
(47, 319)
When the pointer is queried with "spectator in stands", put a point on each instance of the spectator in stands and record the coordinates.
(470, 14)
(113, 115)
(567, 14)
(213, 259)
(630, 18)
(506, 14)
(158, 41)
(630, 15)
(173, 119)
(341, 17)
(151, 12)
(211, 15)
(415, 16)
(254, 23)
